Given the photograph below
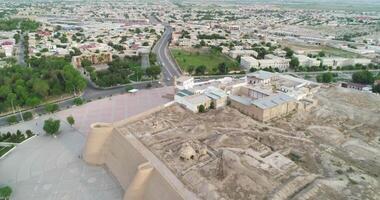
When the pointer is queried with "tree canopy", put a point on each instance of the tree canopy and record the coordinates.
(70, 120)
(325, 77)
(51, 126)
(22, 24)
(47, 76)
(363, 77)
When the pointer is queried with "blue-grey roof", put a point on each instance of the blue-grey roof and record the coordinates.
(184, 93)
(215, 93)
(243, 100)
(272, 101)
(262, 74)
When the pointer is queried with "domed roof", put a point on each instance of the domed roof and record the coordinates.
(187, 152)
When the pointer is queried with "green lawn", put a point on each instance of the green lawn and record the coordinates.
(5, 149)
(331, 51)
(187, 59)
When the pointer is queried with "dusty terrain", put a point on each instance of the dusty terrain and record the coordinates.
(331, 152)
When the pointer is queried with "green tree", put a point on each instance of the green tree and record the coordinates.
(51, 126)
(190, 69)
(202, 43)
(363, 77)
(212, 105)
(294, 62)
(86, 63)
(252, 69)
(33, 101)
(5, 193)
(200, 70)
(321, 54)
(201, 109)
(41, 87)
(376, 88)
(51, 108)
(27, 116)
(223, 68)
(78, 101)
(12, 119)
(70, 120)
(325, 77)
(289, 52)
(153, 71)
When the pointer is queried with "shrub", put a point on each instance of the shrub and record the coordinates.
(5, 192)
(70, 120)
(201, 109)
(29, 133)
(78, 101)
(51, 108)
(27, 116)
(12, 119)
(51, 126)
(212, 105)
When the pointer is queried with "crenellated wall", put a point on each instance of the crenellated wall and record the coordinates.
(141, 174)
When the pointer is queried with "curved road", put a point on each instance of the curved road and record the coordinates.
(169, 71)
(168, 65)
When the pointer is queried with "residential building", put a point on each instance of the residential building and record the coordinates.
(192, 101)
(184, 82)
(306, 61)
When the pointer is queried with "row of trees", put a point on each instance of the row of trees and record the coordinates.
(22, 24)
(213, 36)
(222, 68)
(361, 77)
(30, 86)
(122, 71)
(51, 126)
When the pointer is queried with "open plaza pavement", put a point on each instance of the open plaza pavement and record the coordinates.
(51, 168)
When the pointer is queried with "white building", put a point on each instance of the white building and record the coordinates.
(236, 53)
(274, 62)
(341, 62)
(184, 83)
(192, 101)
(248, 62)
(307, 62)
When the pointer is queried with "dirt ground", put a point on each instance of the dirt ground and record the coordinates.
(331, 152)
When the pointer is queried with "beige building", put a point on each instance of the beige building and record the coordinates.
(192, 101)
(265, 108)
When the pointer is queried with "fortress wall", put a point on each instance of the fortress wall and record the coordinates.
(158, 189)
(125, 162)
(122, 159)
(141, 115)
(130, 162)
(93, 153)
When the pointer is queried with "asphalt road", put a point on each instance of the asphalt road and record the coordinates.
(91, 93)
(168, 65)
(21, 51)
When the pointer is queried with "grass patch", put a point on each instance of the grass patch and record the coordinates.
(17, 137)
(331, 51)
(188, 60)
(5, 149)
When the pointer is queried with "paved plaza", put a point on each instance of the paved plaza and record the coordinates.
(116, 108)
(50, 168)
